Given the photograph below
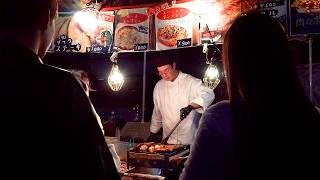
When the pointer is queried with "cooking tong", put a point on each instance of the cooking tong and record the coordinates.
(164, 141)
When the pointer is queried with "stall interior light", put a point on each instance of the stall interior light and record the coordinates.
(210, 12)
(210, 15)
(115, 78)
(87, 19)
(211, 77)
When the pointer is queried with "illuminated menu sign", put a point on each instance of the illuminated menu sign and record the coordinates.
(274, 8)
(304, 17)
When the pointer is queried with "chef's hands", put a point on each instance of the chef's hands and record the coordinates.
(184, 112)
(153, 137)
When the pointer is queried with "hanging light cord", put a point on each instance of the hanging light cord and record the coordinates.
(213, 58)
(114, 57)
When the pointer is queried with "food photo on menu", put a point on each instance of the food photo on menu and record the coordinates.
(87, 24)
(173, 24)
(306, 6)
(132, 28)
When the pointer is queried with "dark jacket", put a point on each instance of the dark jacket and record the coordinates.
(49, 130)
(211, 154)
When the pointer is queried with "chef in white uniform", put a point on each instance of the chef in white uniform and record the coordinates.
(177, 96)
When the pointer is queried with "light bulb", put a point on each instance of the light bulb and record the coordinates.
(87, 18)
(211, 77)
(115, 78)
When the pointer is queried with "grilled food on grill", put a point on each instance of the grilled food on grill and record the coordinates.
(144, 147)
(151, 147)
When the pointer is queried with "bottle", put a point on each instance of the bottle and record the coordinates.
(130, 144)
(112, 116)
(117, 133)
(112, 127)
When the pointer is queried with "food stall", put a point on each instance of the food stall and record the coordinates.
(114, 41)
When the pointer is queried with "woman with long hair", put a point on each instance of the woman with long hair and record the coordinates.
(268, 129)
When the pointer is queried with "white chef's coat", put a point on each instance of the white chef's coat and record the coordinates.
(169, 97)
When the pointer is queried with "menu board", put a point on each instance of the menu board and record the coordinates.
(104, 38)
(87, 30)
(170, 25)
(304, 17)
(274, 8)
(214, 18)
(174, 27)
(132, 29)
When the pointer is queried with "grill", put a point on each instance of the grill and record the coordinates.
(164, 161)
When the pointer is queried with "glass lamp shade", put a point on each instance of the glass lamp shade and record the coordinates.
(211, 77)
(115, 78)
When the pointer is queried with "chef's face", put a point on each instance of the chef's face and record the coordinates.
(167, 72)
